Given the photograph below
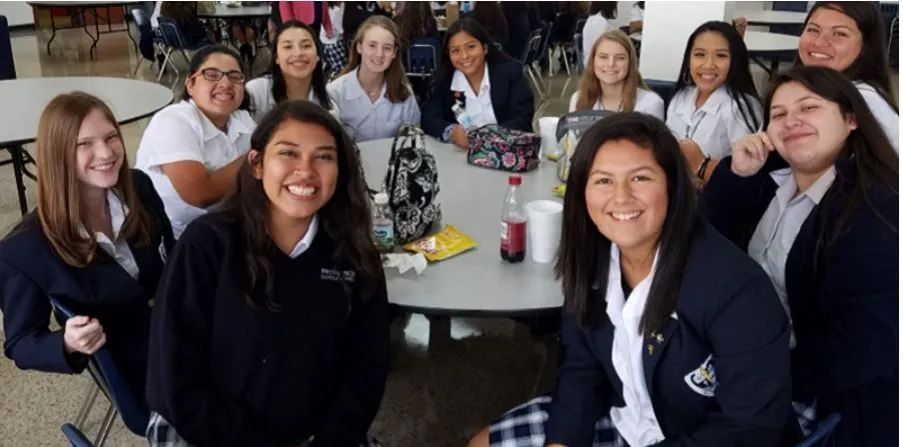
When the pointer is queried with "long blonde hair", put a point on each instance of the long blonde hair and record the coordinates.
(59, 190)
(397, 86)
(590, 87)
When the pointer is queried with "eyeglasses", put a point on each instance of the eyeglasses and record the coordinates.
(214, 75)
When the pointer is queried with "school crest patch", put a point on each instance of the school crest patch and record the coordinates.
(702, 379)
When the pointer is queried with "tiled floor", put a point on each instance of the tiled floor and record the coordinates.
(435, 398)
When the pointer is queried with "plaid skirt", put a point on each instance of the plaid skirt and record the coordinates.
(161, 434)
(334, 57)
(524, 426)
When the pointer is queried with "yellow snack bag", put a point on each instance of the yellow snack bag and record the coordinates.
(446, 243)
(558, 191)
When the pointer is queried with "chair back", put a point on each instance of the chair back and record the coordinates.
(140, 17)
(789, 6)
(75, 436)
(546, 37)
(422, 58)
(578, 26)
(822, 433)
(172, 35)
(7, 64)
(532, 48)
(664, 89)
(134, 412)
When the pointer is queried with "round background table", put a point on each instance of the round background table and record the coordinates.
(762, 45)
(769, 17)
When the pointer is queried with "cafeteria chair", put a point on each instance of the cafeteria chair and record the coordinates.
(75, 437)
(109, 379)
(822, 433)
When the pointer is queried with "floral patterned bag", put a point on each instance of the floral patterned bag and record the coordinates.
(412, 183)
(495, 147)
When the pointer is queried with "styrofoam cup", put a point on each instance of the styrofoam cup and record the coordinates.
(544, 229)
(547, 127)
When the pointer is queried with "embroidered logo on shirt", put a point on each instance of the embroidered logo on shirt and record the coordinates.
(337, 275)
(702, 380)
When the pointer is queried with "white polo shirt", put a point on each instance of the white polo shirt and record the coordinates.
(364, 120)
(647, 102)
(595, 26)
(478, 106)
(260, 91)
(181, 132)
(885, 114)
(636, 421)
(715, 126)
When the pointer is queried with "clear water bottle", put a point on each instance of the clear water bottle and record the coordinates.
(463, 118)
(383, 224)
(513, 245)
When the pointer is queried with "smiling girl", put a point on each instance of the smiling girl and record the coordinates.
(373, 94)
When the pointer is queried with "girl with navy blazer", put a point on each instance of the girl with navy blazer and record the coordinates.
(821, 215)
(481, 82)
(670, 335)
(96, 244)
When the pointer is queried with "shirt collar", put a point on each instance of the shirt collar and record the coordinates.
(235, 127)
(787, 186)
(715, 100)
(356, 90)
(118, 212)
(615, 297)
(308, 238)
(460, 84)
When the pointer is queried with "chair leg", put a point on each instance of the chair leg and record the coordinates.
(106, 426)
(163, 65)
(137, 66)
(567, 64)
(93, 391)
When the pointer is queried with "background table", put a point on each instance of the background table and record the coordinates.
(773, 46)
(221, 11)
(93, 7)
(477, 282)
(25, 99)
(769, 17)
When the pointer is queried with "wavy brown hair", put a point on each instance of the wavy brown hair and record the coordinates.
(398, 89)
(591, 88)
(60, 209)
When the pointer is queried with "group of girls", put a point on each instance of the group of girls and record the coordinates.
(711, 325)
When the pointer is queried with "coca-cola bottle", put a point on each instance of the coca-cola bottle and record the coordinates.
(514, 223)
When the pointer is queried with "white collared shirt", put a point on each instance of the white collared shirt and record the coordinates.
(118, 248)
(885, 114)
(308, 238)
(478, 106)
(715, 126)
(260, 91)
(365, 120)
(647, 102)
(636, 421)
(181, 132)
(779, 226)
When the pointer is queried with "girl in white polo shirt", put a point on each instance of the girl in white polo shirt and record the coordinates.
(612, 80)
(715, 104)
(296, 71)
(192, 150)
(373, 94)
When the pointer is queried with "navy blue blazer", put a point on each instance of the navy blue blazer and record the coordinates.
(728, 322)
(843, 298)
(30, 271)
(512, 100)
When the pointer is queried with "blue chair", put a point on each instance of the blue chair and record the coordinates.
(793, 30)
(532, 52)
(75, 436)
(173, 40)
(421, 61)
(822, 433)
(131, 409)
(664, 89)
(7, 63)
(890, 13)
(139, 16)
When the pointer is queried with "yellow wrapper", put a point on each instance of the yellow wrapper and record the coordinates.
(442, 245)
(558, 191)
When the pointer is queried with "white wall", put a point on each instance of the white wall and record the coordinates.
(17, 13)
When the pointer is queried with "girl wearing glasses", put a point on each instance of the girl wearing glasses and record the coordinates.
(373, 94)
(271, 326)
(96, 245)
(296, 71)
(192, 150)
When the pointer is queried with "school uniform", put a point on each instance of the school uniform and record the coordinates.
(595, 26)
(843, 298)
(116, 287)
(887, 117)
(647, 102)
(225, 373)
(504, 99)
(181, 132)
(365, 120)
(717, 374)
(715, 126)
(260, 92)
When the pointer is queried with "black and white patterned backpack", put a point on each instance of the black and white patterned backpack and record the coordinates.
(412, 183)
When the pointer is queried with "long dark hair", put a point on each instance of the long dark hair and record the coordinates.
(345, 218)
(609, 10)
(200, 56)
(739, 83)
(490, 14)
(415, 20)
(871, 66)
(472, 27)
(318, 78)
(584, 254)
(867, 147)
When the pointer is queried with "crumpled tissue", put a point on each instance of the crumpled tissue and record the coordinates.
(404, 261)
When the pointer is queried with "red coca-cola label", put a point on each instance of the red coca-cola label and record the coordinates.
(514, 236)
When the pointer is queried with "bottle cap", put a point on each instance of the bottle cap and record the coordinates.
(381, 198)
(514, 180)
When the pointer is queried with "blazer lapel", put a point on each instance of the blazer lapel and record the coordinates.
(653, 347)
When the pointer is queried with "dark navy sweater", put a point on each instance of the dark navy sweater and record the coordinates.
(225, 373)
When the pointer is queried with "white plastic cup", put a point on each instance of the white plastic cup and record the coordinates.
(547, 127)
(544, 229)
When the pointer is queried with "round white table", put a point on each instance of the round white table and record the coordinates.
(762, 45)
(769, 17)
(476, 282)
(24, 101)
